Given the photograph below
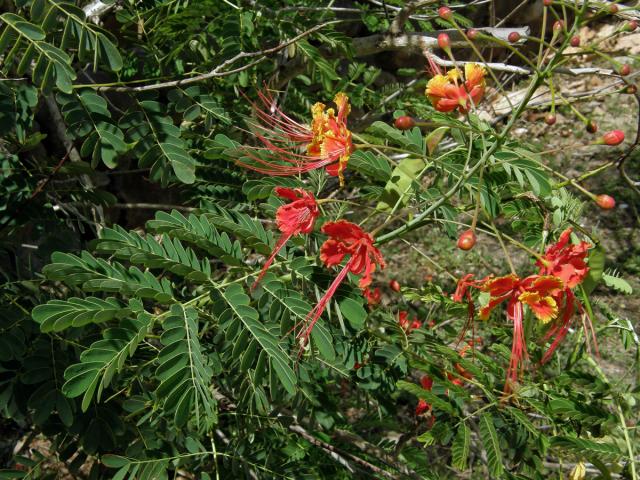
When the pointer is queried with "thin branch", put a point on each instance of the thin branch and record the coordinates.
(397, 26)
(220, 71)
(152, 206)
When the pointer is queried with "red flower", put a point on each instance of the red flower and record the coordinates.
(373, 296)
(345, 239)
(449, 92)
(292, 218)
(427, 383)
(565, 260)
(539, 293)
(406, 324)
(291, 148)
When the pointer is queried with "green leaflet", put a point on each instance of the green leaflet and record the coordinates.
(183, 372)
(104, 358)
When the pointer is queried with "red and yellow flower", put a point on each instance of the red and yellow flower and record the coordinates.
(548, 295)
(291, 148)
(345, 239)
(451, 91)
(294, 218)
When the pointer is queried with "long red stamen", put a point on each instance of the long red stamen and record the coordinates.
(316, 312)
(519, 346)
(284, 238)
(559, 331)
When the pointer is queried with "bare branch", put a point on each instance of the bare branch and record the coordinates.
(220, 71)
(397, 26)
(418, 41)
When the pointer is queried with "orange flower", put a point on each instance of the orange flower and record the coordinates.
(291, 148)
(449, 92)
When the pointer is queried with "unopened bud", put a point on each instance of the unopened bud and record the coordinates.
(613, 138)
(472, 34)
(404, 122)
(443, 41)
(445, 13)
(467, 240)
(513, 37)
(605, 202)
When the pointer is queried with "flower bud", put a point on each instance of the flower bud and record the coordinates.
(443, 41)
(472, 34)
(575, 41)
(605, 202)
(625, 70)
(613, 9)
(631, 89)
(513, 37)
(547, 3)
(613, 138)
(558, 25)
(592, 127)
(394, 285)
(631, 25)
(404, 122)
(467, 240)
(445, 13)
(550, 119)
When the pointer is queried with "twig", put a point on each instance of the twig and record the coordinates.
(397, 26)
(152, 206)
(220, 71)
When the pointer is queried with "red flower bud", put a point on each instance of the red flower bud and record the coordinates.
(445, 13)
(472, 34)
(550, 119)
(625, 70)
(631, 89)
(575, 41)
(547, 3)
(605, 202)
(558, 25)
(443, 41)
(631, 25)
(613, 138)
(467, 240)
(404, 122)
(592, 127)
(513, 37)
(394, 285)
(613, 9)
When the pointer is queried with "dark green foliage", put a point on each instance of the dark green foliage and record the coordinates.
(132, 337)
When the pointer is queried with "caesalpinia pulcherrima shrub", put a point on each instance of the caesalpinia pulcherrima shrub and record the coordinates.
(365, 267)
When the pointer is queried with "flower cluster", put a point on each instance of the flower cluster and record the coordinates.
(548, 295)
(291, 148)
(451, 91)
